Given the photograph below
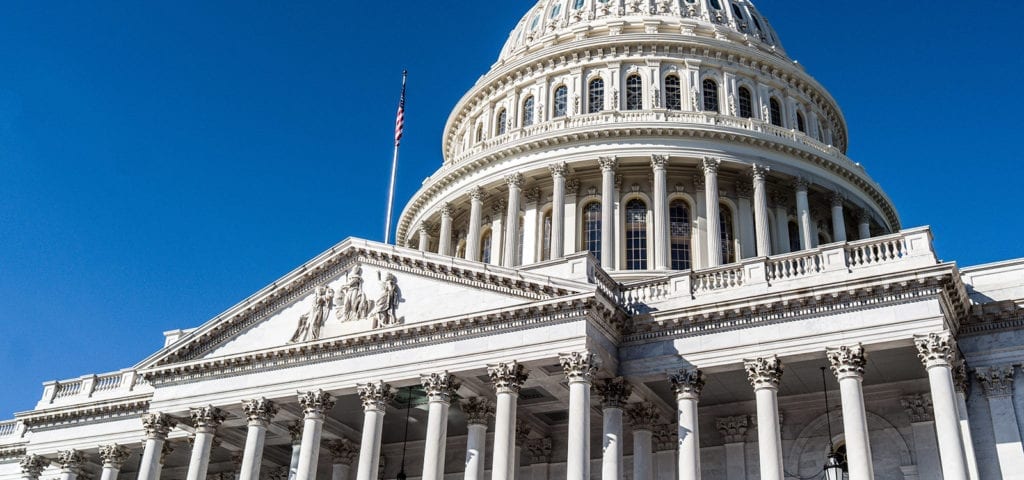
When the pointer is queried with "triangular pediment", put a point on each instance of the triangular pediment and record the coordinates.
(358, 287)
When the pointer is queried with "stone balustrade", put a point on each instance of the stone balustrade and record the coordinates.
(77, 390)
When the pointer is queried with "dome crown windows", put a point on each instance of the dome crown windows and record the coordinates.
(529, 108)
(561, 101)
(673, 93)
(745, 103)
(775, 111)
(710, 88)
(634, 92)
(595, 95)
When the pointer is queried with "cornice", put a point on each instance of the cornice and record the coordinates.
(51, 417)
(994, 317)
(13, 452)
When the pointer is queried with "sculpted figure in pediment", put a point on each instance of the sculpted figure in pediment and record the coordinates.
(310, 323)
(351, 300)
(385, 308)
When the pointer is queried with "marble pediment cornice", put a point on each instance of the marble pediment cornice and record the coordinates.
(593, 306)
(994, 316)
(301, 281)
(86, 412)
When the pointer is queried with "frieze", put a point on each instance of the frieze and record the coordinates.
(40, 419)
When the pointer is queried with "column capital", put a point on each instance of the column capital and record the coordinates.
(759, 172)
(847, 361)
(499, 207)
(572, 186)
(579, 366)
(936, 349)
(259, 411)
(446, 210)
(733, 429)
(33, 465)
(507, 377)
(801, 184)
(687, 383)
(440, 387)
(659, 162)
(745, 187)
(643, 416)
(960, 380)
(699, 182)
(523, 430)
(429, 229)
(837, 198)
(477, 410)
(114, 455)
(764, 372)
(532, 195)
(539, 449)
(710, 165)
(864, 215)
(996, 381)
(476, 193)
(158, 425)
(206, 419)
(166, 450)
(515, 180)
(343, 451)
(778, 199)
(607, 164)
(70, 460)
(614, 392)
(559, 169)
(918, 407)
(295, 431)
(375, 395)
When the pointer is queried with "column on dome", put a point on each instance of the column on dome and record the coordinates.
(643, 417)
(424, 236)
(608, 202)
(157, 425)
(713, 245)
(571, 223)
(259, 413)
(613, 392)
(961, 383)
(375, 397)
(507, 378)
(32, 466)
(579, 368)
(922, 424)
(734, 432)
(997, 386)
(112, 457)
(936, 351)
(476, 410)
(444, 241)
(205, 420)
(803, 213)
(847, 363)
(476, 206)
(745, 217)
(764, 374)
(781, 222)
(699, 254)
(531, 220)
(315, 406)
(440, 388)
(70, 463)
(764, 243)
(295, 432)
(687, 384)
(343, 452)
(558, 172)
(864, 224)
(661, 233)
(498, 211)
(838, 219)
(510, 252)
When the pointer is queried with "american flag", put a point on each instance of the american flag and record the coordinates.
(400, 119)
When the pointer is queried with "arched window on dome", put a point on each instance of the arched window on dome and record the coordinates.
(595, 95)
(636, 235)
(745, 103)
(561, 101)
(555, 11)
(592, 229)
(485, 247)
(673, 93)
(528, 111)
(679, 229)
(480, 133)
(775, 110)
(715, 4)
(710, 90)
(577, 4)
(545, 236)
(801, 124)
(728, 240)
(502, 122)
(634, 92)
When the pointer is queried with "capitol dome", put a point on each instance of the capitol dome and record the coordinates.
(620, 127)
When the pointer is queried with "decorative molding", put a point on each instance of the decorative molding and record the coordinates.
(996, 381)
(532, 195)
(476, 193)
(847, 361)
(440, 387)
(507, 377)
(837, 199)
(40, 419)
(918, 407)
(733, 429)
(764, 372)
(579, 366)
(477, 410)
(614, 392)
(375, 396)
(687, 383)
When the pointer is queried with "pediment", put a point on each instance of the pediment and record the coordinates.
(356, 288)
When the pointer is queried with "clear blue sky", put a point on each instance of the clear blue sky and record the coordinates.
(160, 161)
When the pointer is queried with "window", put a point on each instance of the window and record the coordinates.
(480, 133)
(634, 92)
(555, 11)
(592, 229)
(502, 122)
(775, 110)
(528, 111)
(716, 5)
(595, 96)
(725, 226)
(673, 93)
(801, 124)
(577, 4)
(519, 241)
(545, 236)
(561, 101)
(636, 235)
(485, 247)
(745, 103)
(679, 229)
(710, 95)
(794, 237)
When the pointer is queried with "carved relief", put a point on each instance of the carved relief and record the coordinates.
(310, 323)
(351, 300)
(385, 308)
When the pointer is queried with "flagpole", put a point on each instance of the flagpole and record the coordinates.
(394, 159)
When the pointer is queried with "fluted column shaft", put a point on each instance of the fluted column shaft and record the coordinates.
(315, 405)
(848, 366)
(440, 387)
(687, 385)
(511, 250)
(961, 382)
(614, 393)
(476, 455)
(205, 420)
(764, 375)
(157, 426)
(803, 214)
(781, 223)
(936, 353)
(424, 243)
(375, 397)
(558, 172)
(608, 212)
(838, 219)
(476, 206)
(997, 385)
(507, 378)
(444, 243)
(643, 454)
(764, 241)
(579, 367)
(661, 234)
(259, 412)
(864, 225)
(714, 230)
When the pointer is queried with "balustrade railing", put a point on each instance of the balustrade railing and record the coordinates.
(68, 389)
(800, 264)
(64, 391)
(108, 382)
(8, 428)
(721, 278)
(875, 251)
(635, 297)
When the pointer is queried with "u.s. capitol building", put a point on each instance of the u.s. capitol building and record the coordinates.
(645, 256)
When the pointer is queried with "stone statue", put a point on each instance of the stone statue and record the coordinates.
(351, 301)
(310, 323)
(765, 113)
(384, 310)
(694, 99)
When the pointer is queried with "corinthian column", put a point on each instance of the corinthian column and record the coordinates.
(997, 386)
(764, 241)
(476, 205)
(714, 230)
(507, 378)
(643, 417)
(764, 374)
(424, 236)
(848, 366)
(687, 385)
(343, 452)
(476, 410)
(579, 368)
(113, 457)
(607, 211)
(613, 392)
(205, 420)
(803, 213)
(444, 243)
(734, 432)
(962, 384)
(315, 405)
(70, 462)
(259, 412)
(440, 388)
(375, 397)
(558, 172)
(838, 219)
(515, 187)
(157, 426)
(936, 352)
(864, 224)
(661, 234)
(781, 222)
(32, 466)
(295, 432)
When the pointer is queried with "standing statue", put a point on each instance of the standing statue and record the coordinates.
(694, 102)
(766, 114)
(384, 310)
(310, 323)
(351, 301)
